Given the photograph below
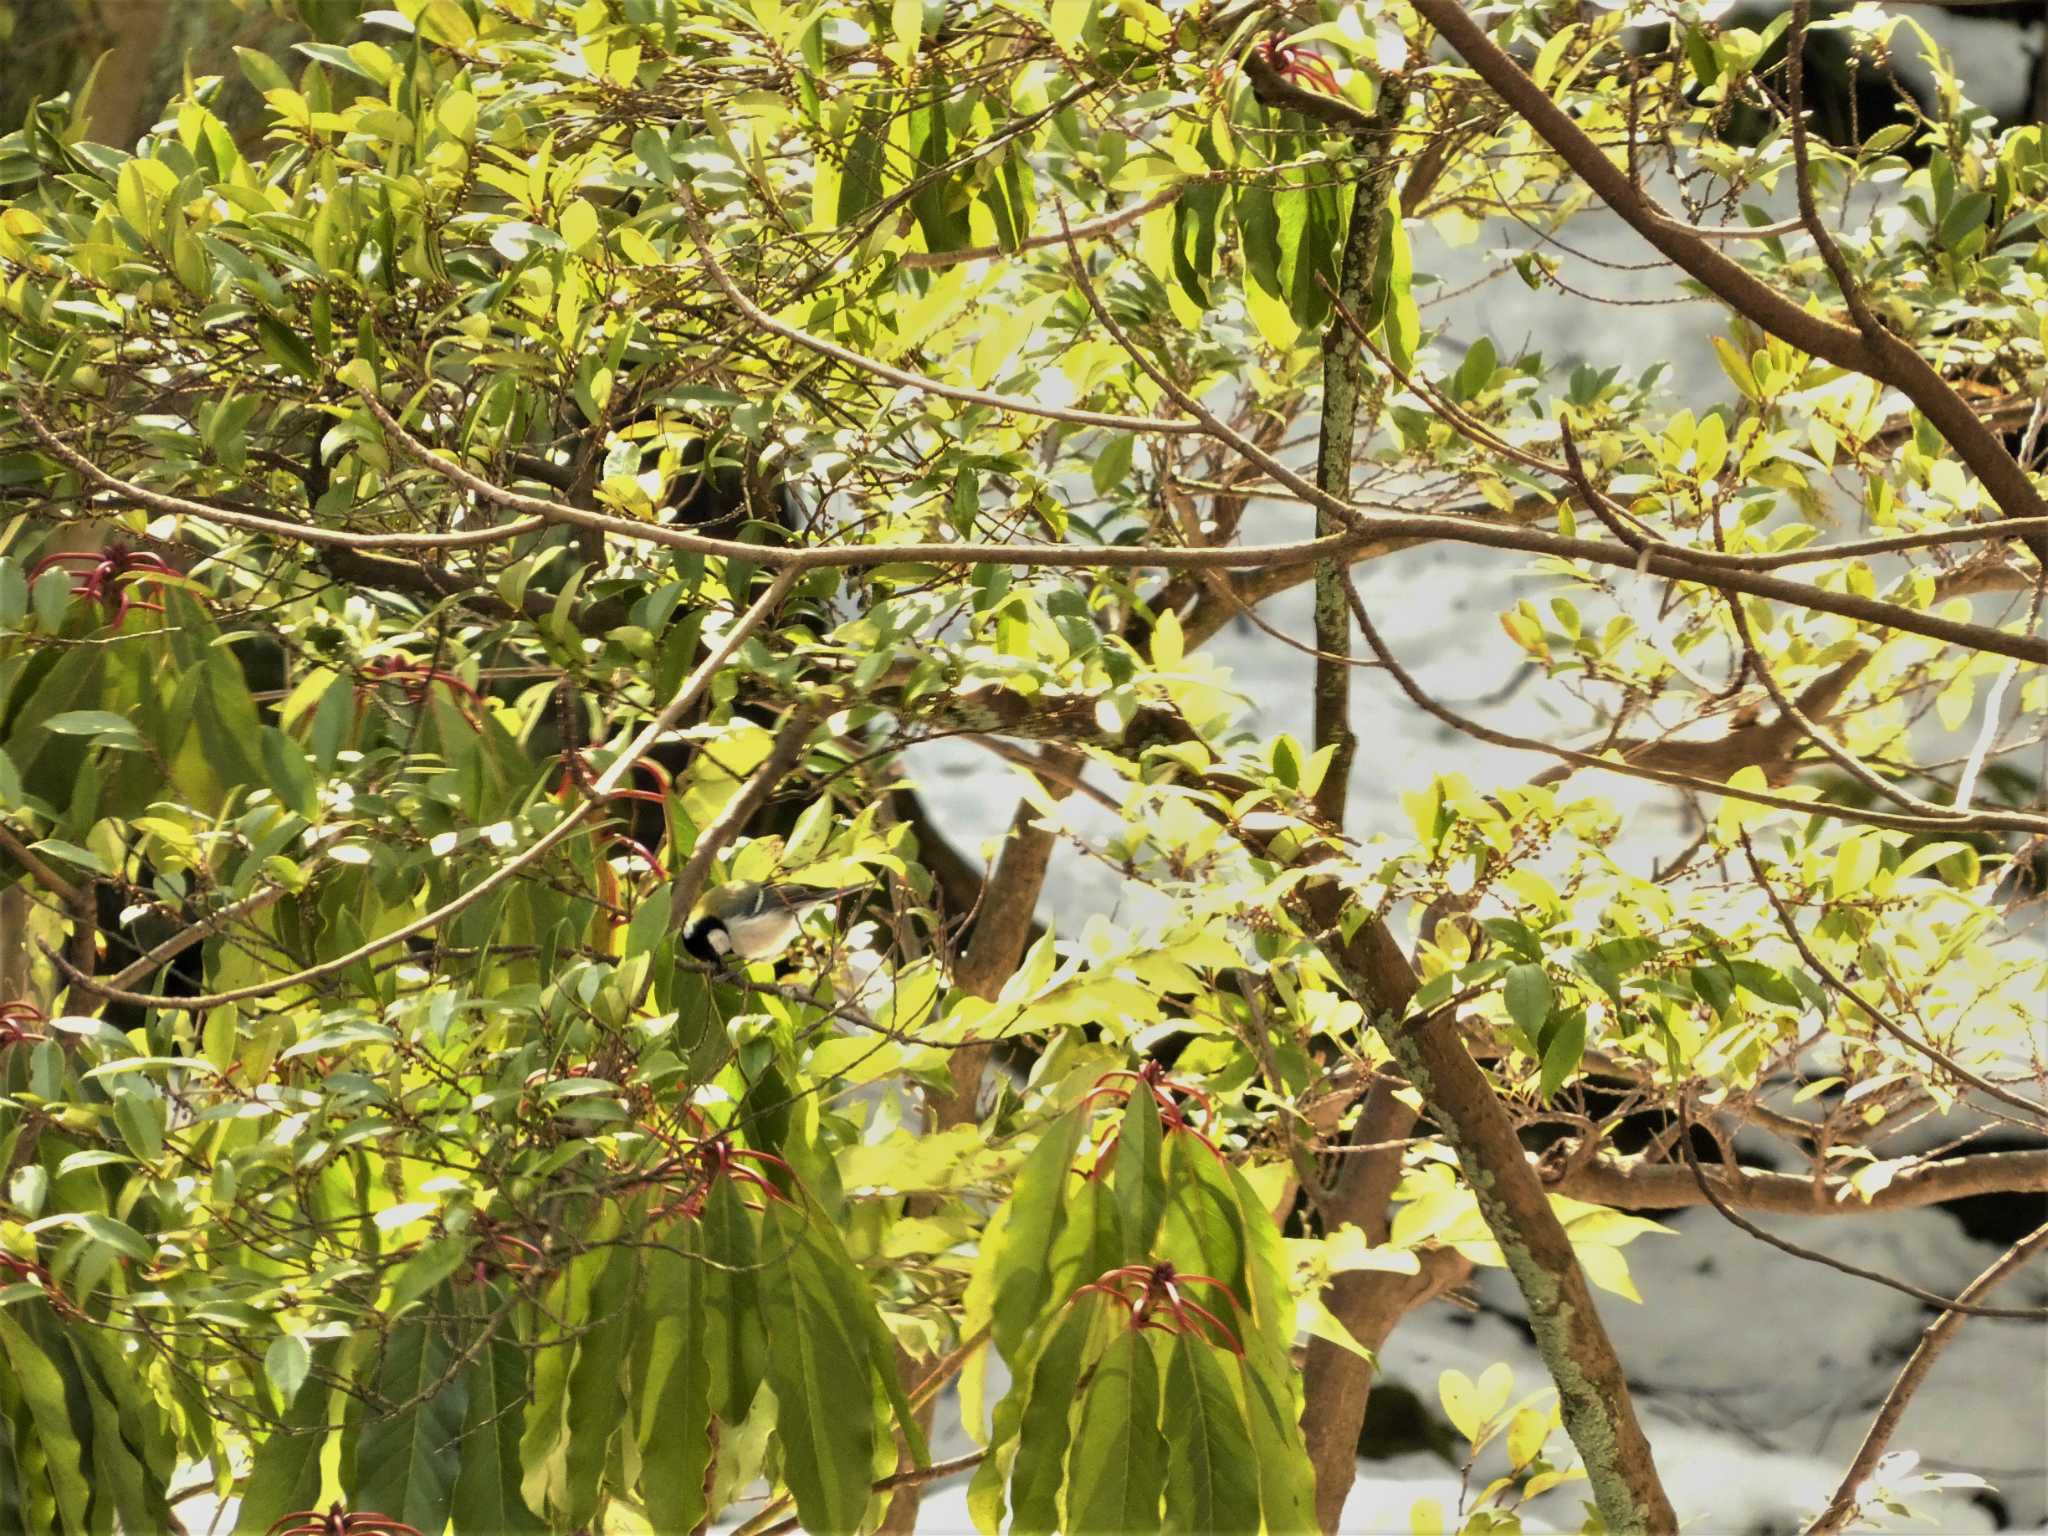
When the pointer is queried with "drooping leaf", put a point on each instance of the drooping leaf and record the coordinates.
(1287, 1482)
(1043, 1430)
(673, 1392)
(1212, 1481)
(818, 1366)
(1561, 1051)
(1015, 1254)
(1117, 1468)
(408, 1458)
(1139, 1183)
(735, 1340)
(596, 1405)
(286, 1475)
(1204, 1226)
(544, 1445)
(487, 1501)
(1529, 997)
(120, 1481)
(57, 1439)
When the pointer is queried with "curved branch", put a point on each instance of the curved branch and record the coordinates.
(1812, 1256)
(1405, 681)
(1370, 528)
(1933, 1339)
(1881, 356)
(1108, 224)
(250, 522)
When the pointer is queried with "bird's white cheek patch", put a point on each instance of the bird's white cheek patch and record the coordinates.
(720, 943)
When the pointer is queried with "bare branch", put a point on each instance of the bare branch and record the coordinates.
(1933, 1340)
(1735, 1219)
(1630, 1185)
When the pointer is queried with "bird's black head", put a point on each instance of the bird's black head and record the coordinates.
(705, 938)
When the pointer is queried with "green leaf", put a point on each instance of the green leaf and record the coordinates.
(1194, 239)
(1529, 997)
(289, 774)
(119, 1481)
(595, 1404)
(735, 1336)
(1476, 371)
(864, 180)
(286, 1363)
(1139, 1184)
(1117, 1469)
(1394, 276)
(407, 1461)
(1212, 1482)
(1014, 1253)
(1112, 464)
(818, 1366)
(286, 1475)
(108, 1231)
(674, 1391)
(544, 1446)
(283, 346)
(1287, 1481)
(115, 730)
(1044, 1428)
(1561, 1052)
(1965, 215)
(42, 1387)
(487, 1501)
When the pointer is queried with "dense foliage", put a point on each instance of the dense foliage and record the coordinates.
(567, 458)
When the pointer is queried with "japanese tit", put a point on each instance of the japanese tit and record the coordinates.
(746, 921)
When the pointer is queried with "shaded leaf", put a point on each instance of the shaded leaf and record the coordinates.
(407, 1460)
(674, 1391)
(1043, 1428)
(1015, 1253)
(487, 1501)
(1117, 1469)
(818, 1366)
(1212, 1482)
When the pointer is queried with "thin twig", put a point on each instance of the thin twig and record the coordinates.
(1877, 1015)
(1737, 1219)
(1109, 223)
(39, 871)
(1933, 1339)
(1405, 681)
(1016, 404)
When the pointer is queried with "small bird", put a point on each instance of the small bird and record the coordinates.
(749, 921)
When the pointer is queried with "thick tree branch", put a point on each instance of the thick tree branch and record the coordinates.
(1370, 528)
(1742, 1223)
(1630, 1185)
(1346, 389)
(1593, 1392)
